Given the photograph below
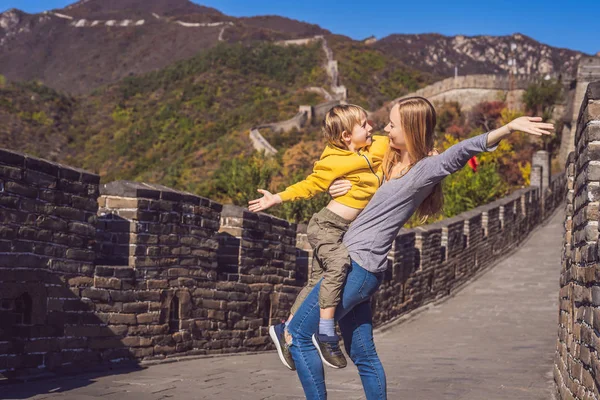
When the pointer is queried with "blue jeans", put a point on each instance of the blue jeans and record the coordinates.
(356, 323)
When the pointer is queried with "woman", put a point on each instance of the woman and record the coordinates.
(412, 184)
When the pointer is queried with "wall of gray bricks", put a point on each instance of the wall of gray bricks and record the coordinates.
(577, 362)
(93, 275)
(47, 252)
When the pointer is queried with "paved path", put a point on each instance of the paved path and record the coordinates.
(494, 340)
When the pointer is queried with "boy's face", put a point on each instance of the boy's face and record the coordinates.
(361, 134)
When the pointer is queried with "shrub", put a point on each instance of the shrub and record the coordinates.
(238, 179)
(467, 189)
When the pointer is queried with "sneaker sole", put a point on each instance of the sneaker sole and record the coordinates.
(275, 340)
(314, 340)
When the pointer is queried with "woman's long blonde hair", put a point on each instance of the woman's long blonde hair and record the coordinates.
(417, 120)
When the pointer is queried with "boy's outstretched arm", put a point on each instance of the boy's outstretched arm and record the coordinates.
(268, 200)
(324, 172)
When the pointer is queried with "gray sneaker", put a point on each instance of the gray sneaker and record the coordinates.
(277, 333)
(329, 350)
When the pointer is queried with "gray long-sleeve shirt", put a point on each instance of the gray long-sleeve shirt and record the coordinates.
(371, 235)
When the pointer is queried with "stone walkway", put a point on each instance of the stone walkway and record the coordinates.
(493, 340)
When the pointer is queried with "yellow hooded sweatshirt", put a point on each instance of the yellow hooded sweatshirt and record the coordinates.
(362, 169)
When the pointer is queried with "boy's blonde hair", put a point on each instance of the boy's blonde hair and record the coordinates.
(339, 119)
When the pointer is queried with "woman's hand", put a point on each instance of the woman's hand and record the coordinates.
(531, 125)
(339, 187)
(268, 200)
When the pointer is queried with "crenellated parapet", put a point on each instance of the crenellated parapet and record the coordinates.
(469, 90)
(95, 274)
(151, 226)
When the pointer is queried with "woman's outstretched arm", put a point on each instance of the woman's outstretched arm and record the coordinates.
(434, 169)
(531, 125)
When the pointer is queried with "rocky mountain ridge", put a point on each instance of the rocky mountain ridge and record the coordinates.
(516, 53)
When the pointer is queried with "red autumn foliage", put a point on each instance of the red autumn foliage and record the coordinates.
(486, 115)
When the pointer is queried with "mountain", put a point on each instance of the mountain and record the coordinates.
(438, 54)
(96, 42)
(174, 125)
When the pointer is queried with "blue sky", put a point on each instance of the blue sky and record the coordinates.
(573, 24)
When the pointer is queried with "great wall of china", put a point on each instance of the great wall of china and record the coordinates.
(84, 23)
(94, 275)
(99, 274)
(306, 113)
(467, 90)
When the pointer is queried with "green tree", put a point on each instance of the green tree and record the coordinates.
(41, 118)
(540, 99)
(239, 178)
(541, 96)
(467, 189)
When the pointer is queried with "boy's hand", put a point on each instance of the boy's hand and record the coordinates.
(268, 200)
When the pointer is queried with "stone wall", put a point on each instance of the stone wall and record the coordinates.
(429, 262)
(260, 143)
(320, 110)
(135, 272)
(468, 91)
(47, 253)
(296, 122)
(577, 361)
(306, 115)
(497, 82)
(471, 89)
(588, 71)
(200, 278)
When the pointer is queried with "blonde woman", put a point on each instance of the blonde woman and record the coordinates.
(413, 179)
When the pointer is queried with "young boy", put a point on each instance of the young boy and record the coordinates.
(354, 154)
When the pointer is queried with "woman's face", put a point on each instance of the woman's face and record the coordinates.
(395, 132)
